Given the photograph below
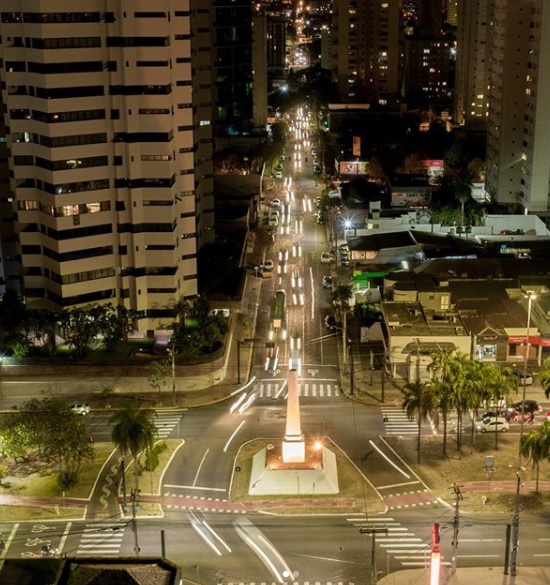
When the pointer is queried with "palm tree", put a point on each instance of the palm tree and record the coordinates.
(535, 445)
(545, 376)
(452, 370)
(419, 402)
(134, 432)
(497, 386)
(442, 397)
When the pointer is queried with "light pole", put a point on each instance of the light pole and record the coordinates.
(531, 296)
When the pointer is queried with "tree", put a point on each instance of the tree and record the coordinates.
(49, 427)
(134, 432)
(14, 439)
(12, 312)
(545, 376)
(535, 445)
(419, 401)
(463, 193)
(80, 325)
(451, 372)
(497, 385)
(43, 325)
(115, 322)
(159, 371)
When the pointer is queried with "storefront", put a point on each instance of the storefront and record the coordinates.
(539, 348)
(491, 347)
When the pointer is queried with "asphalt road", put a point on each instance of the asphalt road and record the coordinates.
(213, 542)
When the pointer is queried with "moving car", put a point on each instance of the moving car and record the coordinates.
(326, 257)
(327, 281)
(492, 424)
(80, 408)
(331, 323)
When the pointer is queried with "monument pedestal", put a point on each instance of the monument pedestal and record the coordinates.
(316, 475)
(296, 466)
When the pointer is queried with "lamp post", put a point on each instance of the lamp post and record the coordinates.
(531, 296)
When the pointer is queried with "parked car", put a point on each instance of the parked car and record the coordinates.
(80, 408)
(327, 281)
(276, 203)
(492, 424)
(530, 406)
(221, 312)
(327, 257)
(268, 266)
(273, 221)
(278, 174)
(525, 378)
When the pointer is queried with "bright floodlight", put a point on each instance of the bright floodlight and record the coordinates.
(347, 223)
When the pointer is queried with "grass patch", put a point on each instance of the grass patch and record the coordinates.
(439, 473)
(150, 482)
(43, 482)
(351, 484)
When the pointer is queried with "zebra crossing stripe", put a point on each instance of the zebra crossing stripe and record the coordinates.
(305, 390)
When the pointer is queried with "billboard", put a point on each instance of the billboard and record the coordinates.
(353, 167)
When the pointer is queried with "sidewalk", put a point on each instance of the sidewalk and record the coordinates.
(471, 576)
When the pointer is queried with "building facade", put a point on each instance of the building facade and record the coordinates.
(472, 62)
(518, 151)
(108, 110)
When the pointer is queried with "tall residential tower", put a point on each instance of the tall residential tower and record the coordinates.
(108, 108)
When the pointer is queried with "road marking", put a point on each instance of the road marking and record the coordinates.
(477, 556)
(481, 540)
(389, 460)
(394, 485)
(194, 487)
(200, 465)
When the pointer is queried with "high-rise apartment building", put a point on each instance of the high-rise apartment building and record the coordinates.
(471, 99)
(365, 50)
(108, 108)
(518, 149)
(233, 63)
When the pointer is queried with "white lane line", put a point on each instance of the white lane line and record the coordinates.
(194, 487)
(389, 460)
(394, 485)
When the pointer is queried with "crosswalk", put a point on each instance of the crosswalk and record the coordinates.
(396, 540)
(324, 389)
(166, 422)
(101, 539)
(397, 422)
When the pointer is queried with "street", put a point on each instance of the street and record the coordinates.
(217, 541)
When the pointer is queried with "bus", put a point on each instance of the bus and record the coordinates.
(277, 325)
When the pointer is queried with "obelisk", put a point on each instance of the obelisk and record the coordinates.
(294, 447)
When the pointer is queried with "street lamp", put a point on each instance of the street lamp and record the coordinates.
(531, 296)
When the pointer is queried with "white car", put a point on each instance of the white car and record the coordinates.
(276, 203)
(221, 312)
(327, 257)
(273, 221)
(492, 424)
(268, 266)
(81, 409)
